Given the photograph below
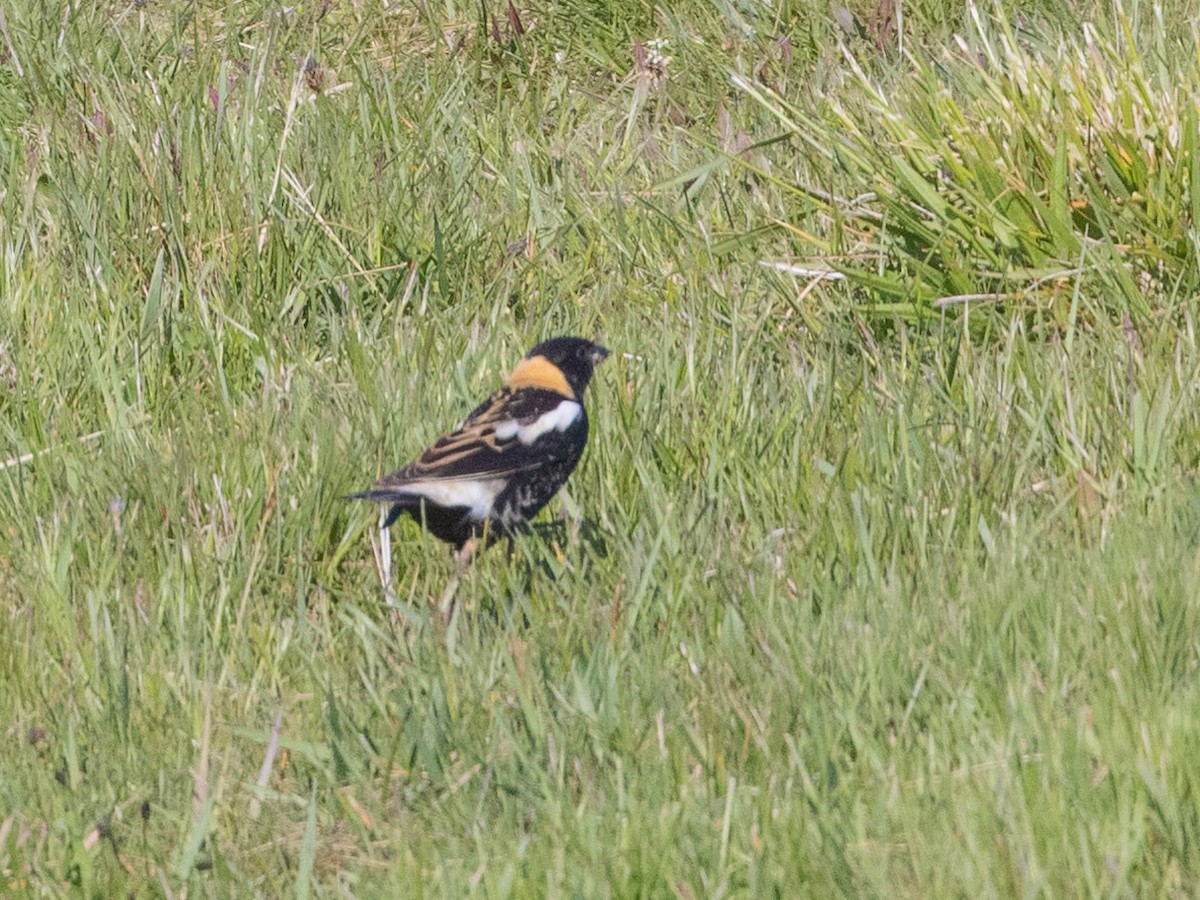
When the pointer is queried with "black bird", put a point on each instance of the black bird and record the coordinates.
(510, 456)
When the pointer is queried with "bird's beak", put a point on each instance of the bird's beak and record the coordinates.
(599, 354)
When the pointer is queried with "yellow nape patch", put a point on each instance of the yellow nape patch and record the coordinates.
(539, 372)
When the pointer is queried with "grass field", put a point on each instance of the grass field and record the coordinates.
(878, 578)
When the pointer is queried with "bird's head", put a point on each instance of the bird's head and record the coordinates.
(569, 359)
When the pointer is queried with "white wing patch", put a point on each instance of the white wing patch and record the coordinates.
(477, 495)
(560, 418)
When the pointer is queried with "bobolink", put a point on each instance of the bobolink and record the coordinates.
(510, 456)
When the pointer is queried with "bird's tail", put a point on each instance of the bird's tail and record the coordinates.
(401, 502)
(384, 495)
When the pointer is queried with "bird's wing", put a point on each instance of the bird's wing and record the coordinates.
(514, 430)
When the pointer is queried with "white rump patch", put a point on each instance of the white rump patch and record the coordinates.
(560, 418)
(477, 495)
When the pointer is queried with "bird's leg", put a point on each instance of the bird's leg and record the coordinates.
(466, 553)
(462, 561)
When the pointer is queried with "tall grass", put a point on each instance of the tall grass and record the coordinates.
(877, 578)
(1016, 167)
